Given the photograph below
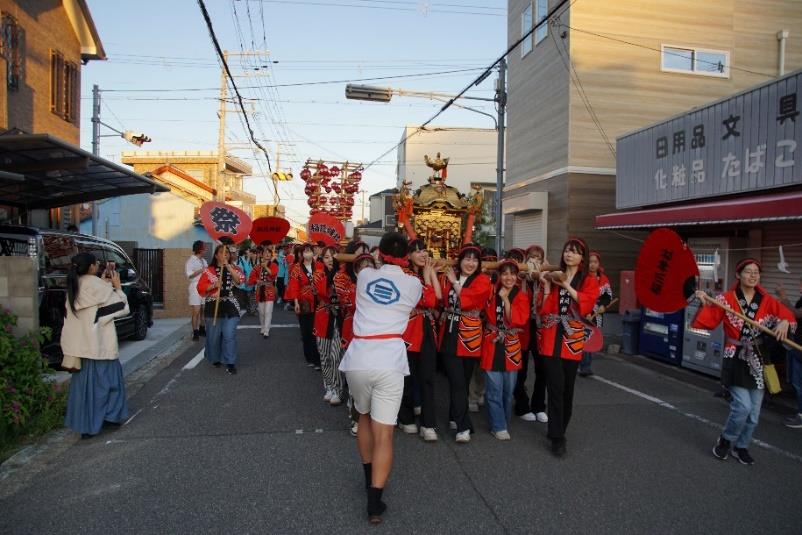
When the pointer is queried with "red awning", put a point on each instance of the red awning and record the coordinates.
(776, 207)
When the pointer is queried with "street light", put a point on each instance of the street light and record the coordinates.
(137, 138)
(385, 94)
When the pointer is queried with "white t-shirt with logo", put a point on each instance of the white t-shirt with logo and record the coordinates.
(384, 299)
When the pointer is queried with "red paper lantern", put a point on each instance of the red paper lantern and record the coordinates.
(306, 174)
(334, 171)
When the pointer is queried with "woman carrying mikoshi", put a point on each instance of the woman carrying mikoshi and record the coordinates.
(465, 294)
(562, 305)
(742, 366)
(89, 343)
(507, 313)
(595, 269)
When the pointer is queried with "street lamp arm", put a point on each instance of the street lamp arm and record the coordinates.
(495, 122)
(433, 94)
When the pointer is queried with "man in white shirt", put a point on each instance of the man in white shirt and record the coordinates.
(376, 361)
(195, 265)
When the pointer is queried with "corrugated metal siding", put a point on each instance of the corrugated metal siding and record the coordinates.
(763, 133)
(527, 229)
(786, 236)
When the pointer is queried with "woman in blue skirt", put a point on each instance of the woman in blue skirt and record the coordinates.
(89, 340)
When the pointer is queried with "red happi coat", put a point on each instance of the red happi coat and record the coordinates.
(265, 285)
(509, 334)
(472, 300)
(326, 304)
(300, 286)
(423, 312)
(346, 296)
(743, 371)
(228, 306)
(552, 335)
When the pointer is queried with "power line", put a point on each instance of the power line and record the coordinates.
(574, 77)
(383, 7)
(294, 84)
(486, 72)
(232, 81)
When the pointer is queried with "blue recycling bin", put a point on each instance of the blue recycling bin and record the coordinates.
(630, 332)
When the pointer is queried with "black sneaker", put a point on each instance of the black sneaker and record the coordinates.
(195, 336)
(722, 448)
(742, 454)
(216, 364)
(231, 369)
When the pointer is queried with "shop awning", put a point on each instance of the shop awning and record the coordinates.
(762, 208)
(41, 171)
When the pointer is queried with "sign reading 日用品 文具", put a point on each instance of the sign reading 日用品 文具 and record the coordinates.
(751, 141)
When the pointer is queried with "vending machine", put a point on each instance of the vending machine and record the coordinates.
(661, 335)
(701, 349)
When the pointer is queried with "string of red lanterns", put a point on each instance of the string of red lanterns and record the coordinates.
(330, 188)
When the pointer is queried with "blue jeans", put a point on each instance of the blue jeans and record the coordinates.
(221, 340)
(744, 415)
(498, 398)
(795, 376)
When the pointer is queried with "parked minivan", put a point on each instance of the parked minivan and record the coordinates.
(53, 250)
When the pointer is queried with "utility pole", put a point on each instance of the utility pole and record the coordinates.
(363, 205)
(220, 181)
(501, 102)
(95, 146)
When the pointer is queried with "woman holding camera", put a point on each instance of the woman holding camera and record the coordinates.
(89, 343)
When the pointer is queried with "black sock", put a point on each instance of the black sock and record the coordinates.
(368, 469)
(375, 504)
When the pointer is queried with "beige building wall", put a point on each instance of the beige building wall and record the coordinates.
(175, 285)
(46, 27)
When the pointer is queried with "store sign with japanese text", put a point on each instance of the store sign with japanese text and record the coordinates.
(750, 142)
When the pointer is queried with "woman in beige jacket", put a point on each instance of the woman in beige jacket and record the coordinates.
(97, 391)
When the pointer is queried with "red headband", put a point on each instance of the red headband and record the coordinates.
(365, 256)
(507, 262)
(466, 248)
(580, 241)
(745, 262)
(395, 260)
(596, 254)
(537, 248)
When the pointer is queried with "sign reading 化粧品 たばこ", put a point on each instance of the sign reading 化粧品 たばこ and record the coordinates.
(749, 142)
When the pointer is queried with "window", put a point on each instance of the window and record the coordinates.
(526, 25)
(11, 44)
(695, 61)
(64, 87)
(541, 10)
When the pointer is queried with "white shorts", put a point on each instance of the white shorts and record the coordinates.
(194, 297)
(377, 392)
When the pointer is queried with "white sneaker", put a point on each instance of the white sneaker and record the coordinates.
(428, 434)
(417, 410)
(542, 417)
(335, 399)
(464, 436)
(354, 429)
(473, 406)
(501, 435)
(528, 417)
(452, 425)
(328, 395)
(409, 429)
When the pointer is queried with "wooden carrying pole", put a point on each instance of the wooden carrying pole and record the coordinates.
(752, 322)
(217, 295)
(488, 266)
(611, 303)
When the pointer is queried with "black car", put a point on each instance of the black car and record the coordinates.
(53, 250)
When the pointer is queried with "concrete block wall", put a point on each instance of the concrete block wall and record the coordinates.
(19, 291)
(176, 304)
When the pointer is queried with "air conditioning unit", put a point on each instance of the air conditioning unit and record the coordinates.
(389, 221)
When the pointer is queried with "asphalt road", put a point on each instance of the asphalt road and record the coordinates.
(260, 452)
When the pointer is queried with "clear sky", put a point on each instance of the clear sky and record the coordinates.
(162, 76)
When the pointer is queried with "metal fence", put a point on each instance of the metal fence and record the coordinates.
(150, 263)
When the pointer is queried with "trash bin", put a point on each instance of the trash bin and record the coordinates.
(630, 331)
